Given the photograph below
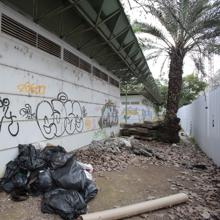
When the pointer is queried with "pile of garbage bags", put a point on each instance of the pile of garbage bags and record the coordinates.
(66, 184)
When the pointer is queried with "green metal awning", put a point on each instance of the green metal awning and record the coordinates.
(98, 28)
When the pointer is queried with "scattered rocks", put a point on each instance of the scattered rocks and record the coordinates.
(199, 177)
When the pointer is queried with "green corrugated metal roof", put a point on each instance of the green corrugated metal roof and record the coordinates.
(98, 28)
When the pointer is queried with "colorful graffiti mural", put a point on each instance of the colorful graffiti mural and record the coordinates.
(136, 113)
(109, 115)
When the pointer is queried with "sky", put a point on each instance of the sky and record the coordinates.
(136, 14)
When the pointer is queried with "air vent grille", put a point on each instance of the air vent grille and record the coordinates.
(98, 73)
(85, 65)
(17, 30)
(25, 34)
(70, 58)
(113, 82)
(104, 76)
(49, 46)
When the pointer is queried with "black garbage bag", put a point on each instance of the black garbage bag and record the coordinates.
(19, 194)
(71, 176)
(29, 158)
(68, 204)
(56, 156)
(15, 181)
(14, 177)
(90, 191)
(45, 180)
(11, 169)
(40, 182)
(20, 179)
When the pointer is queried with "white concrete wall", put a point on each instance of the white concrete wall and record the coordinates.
(45, 99)
(201, 120)
(138, 109)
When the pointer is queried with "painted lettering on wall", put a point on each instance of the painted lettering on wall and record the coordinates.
(109, 115)
(7, 116)
(54, 118)
(137, 113)
(60, 116)
(26, 112)
(29, 88)
(88, 123)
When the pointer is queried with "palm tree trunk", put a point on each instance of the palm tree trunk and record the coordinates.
(175, 83)
(170, 130)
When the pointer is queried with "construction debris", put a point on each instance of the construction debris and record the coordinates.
(204, 177)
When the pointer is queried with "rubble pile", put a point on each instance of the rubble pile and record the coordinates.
(52, 172)
(199, 178)
(113, 154)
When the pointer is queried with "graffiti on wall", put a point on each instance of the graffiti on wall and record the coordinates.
(7, 116)
(60, 116)
(137, 113)
(90, 123)
(54, 118)
(26, 112)
(33, 89)
(109, 115)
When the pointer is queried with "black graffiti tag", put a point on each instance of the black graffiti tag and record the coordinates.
(109, 116)
(26, 112)
(60, 115)
(5, 114)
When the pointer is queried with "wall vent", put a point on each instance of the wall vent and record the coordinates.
(104, 76)
(70, 57)
(17, 30)
(25, 34)
(113, 82)
(48, 46)
(85, 65)
(98, 73)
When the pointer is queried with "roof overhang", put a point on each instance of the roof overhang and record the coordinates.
(98, 28)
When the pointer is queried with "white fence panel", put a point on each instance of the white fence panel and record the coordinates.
(201, 120)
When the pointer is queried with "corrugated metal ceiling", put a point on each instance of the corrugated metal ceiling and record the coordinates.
(98, 28)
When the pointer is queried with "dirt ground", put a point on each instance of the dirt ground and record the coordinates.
(124, 178)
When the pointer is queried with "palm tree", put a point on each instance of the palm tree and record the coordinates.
(186, 27)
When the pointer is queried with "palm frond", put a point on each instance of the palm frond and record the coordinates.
(154, 31)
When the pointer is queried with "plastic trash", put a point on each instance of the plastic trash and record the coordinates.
(88, 169)
(14, 177)
(29, 158)
(56, 156)
(45, 180)
(19, 195)
(90, 191)
(71, 176)
(65, 183)
(40, 182)
(68, 204)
